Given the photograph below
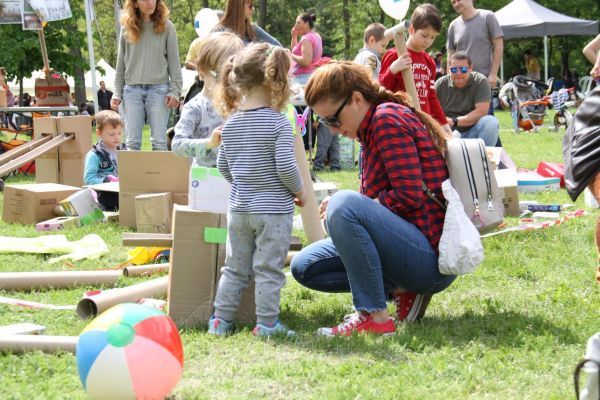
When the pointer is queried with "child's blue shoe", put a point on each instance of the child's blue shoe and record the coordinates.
(277, 329)
(219, 327)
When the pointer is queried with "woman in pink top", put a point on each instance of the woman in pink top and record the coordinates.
(308, 50)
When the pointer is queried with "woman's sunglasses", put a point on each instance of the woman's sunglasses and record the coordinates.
(333, 121)
(464, 70)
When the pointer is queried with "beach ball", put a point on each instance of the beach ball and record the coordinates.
(130, 352)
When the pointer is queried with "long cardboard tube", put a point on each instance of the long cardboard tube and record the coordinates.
(56, 279)
(24, 148)
(47, 344)
(147, 239)
(94, 305)
(35, 153)
(407, 75)
(144, 270)
(311, 219)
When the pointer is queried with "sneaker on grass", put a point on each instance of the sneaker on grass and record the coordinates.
(410, 306)
(219, 327)
(277, 329)
(359, 322)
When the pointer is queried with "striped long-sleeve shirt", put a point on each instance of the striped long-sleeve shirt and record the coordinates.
(257, 157)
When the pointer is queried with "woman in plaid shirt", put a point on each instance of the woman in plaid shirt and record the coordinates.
(383, 241)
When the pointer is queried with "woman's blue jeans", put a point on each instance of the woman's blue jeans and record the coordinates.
(370, 252)
(141, 102)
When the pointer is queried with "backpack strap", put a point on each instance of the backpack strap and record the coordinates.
(432, 196)
(577, 372)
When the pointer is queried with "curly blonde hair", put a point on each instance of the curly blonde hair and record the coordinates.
(258, 64)
(132, 21)
(338, 79)
(215, 49)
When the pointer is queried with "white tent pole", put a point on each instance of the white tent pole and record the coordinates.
(88, 23)
(546, 58)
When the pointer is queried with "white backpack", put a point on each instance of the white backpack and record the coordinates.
(473, 178)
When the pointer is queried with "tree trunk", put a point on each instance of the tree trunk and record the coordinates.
(205, 4)
(346, 18)
(262, 13)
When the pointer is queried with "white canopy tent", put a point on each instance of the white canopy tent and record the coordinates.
(526, 18)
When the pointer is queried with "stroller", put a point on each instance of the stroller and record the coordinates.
(526, 99)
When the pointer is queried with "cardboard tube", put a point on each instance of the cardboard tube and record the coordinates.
(311, 219)
(139, 239)
(56, 279)
(94, 305)
(407, 75)
(47, 344)
(143, 270)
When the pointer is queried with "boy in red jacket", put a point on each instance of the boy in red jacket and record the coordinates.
(426, 24)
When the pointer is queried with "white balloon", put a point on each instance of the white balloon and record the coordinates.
(395, 8)
(204, 21)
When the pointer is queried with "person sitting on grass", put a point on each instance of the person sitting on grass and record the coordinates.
(101, 161)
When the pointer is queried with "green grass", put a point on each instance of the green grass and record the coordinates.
(513, 329)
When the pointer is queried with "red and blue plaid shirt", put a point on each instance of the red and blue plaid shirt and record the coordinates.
(398, 156)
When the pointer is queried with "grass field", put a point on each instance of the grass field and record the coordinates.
(514, 329)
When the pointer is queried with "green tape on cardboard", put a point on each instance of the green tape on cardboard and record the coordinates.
(201, 173)
(215, 235)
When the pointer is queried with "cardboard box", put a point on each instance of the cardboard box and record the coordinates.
(208, 190)
(552, 170)
(57, 224)
(324, 189)
(506, 179)
(64, 165)
(531, 182)
(33, 203)
(499, 158)
(195, 266)
(144, 172)
(153, 212)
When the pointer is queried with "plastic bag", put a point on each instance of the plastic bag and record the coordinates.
(460, 248)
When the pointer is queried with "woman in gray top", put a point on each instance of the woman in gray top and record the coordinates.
(238, 19)
(148, 78)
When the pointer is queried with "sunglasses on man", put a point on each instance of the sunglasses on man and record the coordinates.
(333, 121)
(464, 70)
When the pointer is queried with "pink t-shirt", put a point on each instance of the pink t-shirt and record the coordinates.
(317, 45)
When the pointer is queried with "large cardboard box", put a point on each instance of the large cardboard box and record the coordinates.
(153, 212)
(195, 266)
(64, 165)
(33, 203)
(506, 179)
(144, 172)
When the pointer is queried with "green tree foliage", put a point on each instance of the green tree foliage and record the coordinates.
(342, 33)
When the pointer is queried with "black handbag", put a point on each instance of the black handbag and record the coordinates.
(581, 146)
